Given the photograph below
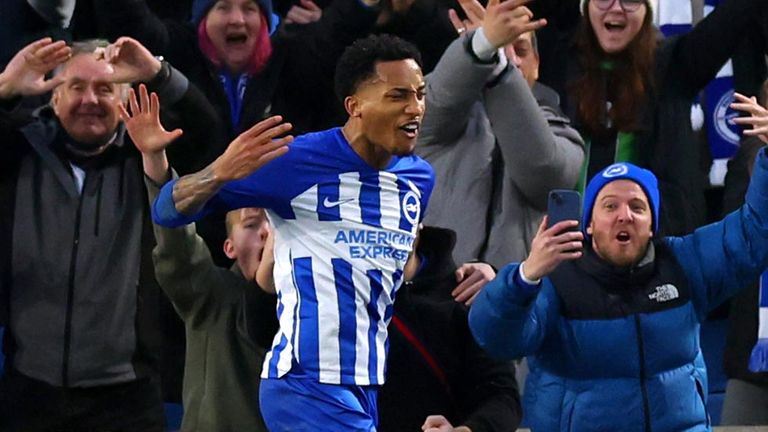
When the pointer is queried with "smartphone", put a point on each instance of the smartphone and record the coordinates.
(563, 204)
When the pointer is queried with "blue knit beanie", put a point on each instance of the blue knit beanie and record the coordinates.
(619, 171)
(200, 8)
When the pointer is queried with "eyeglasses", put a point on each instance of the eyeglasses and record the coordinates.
(627, 5)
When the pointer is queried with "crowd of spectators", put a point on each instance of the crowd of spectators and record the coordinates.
(108, 313)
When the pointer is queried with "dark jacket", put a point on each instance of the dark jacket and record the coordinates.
(21, 24)
(77, 287)
(427, 26)
(230, 323)
(457, 379)
(74, 270)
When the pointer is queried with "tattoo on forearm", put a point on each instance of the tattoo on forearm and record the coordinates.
(192, 191)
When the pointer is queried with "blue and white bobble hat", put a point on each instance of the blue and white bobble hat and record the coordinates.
(622, 171)
(652, 6)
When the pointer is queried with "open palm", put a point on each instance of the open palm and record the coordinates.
(26, 72)
(130, 61)
(758, 116)
(143, 122)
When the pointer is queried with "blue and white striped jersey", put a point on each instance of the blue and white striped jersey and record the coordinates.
(343, 232)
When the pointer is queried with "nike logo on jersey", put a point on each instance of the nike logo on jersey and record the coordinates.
(330, 204)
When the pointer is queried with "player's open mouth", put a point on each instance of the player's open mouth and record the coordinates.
(623, 237)
(411, 129)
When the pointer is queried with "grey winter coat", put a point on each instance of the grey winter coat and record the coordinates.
(497, 149)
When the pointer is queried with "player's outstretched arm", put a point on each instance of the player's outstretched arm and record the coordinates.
(246, 154)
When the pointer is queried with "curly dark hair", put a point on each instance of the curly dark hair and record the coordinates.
(359, 60)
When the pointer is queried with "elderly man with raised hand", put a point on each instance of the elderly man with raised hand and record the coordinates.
(77, 289)
(612, 329)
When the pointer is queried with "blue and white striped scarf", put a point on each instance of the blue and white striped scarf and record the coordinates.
(675, 17)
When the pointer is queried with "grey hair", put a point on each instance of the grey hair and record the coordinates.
(91, 46)
(88, 46)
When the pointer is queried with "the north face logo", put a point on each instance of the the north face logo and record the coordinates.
(664, 293)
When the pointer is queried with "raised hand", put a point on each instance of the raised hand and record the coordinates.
(305, 12)
(25, 73)
(758, 118)
(551, 246)
(472, 277)
(130, 61)
(252, 149)
(502, 22)
(475, 13)
(143, 122)
(505, 21)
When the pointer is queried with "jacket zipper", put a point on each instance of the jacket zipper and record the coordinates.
(71, 291)
(98, 206)
(643, 388)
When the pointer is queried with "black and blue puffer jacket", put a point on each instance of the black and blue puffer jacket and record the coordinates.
(618, 349)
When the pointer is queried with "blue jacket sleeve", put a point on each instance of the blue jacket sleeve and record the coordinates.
(510, 321)
(164, 209)
(721, 258)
